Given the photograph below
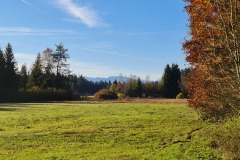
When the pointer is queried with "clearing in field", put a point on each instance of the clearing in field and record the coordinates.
(101, 131)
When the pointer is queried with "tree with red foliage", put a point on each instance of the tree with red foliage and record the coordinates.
(213, 52)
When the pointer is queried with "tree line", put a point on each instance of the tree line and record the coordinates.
(169, 86)
(50, 79)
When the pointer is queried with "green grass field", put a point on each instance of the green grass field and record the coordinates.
(102, 131)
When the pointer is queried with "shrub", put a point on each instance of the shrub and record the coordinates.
(180, 96)
(120, 96)
(36, 94)
(105, 94)
(225, 138)
(76, 96)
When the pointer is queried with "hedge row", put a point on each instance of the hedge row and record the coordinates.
(36, 94)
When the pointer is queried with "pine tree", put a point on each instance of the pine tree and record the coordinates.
(60, 57)
(170, 82)
(23, 77)
(36, 76)
(175, 80)
(139, 89)
(11, 76)
(2, 76)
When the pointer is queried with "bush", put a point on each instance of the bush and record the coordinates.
(36, 94)
(76, 96)
(105, 94)
(180, 96)
(120, 96)
(225, 138)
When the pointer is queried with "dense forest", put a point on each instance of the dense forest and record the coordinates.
(50, 79)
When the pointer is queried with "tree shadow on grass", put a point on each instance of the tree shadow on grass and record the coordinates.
(8, 109)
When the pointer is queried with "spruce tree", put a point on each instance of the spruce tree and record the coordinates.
(11, 76)
(36, 77)
(170, 82)
(139, 89)
(2, 76)
(175, 81)
(60, 57)
(23, 77)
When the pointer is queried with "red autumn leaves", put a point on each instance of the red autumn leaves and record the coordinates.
(213, 52)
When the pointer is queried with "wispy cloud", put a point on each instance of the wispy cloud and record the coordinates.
(29, 4)
(144, 33)
(93, 50)
(23, 31)
(92, 70)
(102, 70)
(83, 14)
(25, 56)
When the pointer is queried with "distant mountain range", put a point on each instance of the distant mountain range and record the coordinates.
(111, 78)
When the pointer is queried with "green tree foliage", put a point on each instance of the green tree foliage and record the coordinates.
(49, 75)
(139, 89)
(60, 57)
(170, 82)
(11, 76)
(36, 76)
(115, 87)
(84, 87)
(23, 77)
(57, 62)
(47, 63)
(148, 87)
(2, 76)
(41, 83)
(132, 86)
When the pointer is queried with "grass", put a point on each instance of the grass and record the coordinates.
(102, 131)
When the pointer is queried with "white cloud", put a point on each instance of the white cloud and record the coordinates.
(83, 14)
(23, 31)
(28, 57)
(97, 51)
(92, 70)
(27, 3)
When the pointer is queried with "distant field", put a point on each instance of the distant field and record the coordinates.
(102, 131)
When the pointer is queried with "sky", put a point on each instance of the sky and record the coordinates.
(103, 37)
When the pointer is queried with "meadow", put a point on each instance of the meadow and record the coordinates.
(111, 131)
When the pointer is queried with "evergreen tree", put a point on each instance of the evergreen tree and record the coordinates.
(11, 82)
(2, 76)
(36, 77)
(115, 82)
(60, 57)
(170, 82)
(175, 81)
(131, 85)
(139, 89)
(23, 77)
(148, 87)
(165, 82)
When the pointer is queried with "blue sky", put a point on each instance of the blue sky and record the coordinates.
(104, 37)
